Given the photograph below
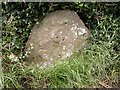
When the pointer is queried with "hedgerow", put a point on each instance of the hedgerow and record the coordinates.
(102, 19)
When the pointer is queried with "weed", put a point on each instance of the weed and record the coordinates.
(95, 66)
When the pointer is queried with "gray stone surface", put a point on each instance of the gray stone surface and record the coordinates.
(58, 36)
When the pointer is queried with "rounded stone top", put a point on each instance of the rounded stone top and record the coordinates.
(58, 36)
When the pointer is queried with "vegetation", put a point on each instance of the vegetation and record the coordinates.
(95, 66)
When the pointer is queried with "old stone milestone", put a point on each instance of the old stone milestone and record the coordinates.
(58, 36)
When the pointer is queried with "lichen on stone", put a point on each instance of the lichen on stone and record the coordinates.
(59, 35)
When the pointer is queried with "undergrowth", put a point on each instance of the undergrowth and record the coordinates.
(95, 66)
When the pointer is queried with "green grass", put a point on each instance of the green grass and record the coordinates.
(85, 70)
(97, 63)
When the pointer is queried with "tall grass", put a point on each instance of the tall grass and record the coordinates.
(94, 66)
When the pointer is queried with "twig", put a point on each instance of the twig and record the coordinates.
(105, 85)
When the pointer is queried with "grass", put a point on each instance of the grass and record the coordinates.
(94, 66)
(85, 70)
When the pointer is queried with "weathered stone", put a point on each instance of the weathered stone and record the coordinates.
(59, 35)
